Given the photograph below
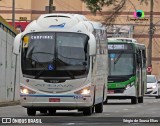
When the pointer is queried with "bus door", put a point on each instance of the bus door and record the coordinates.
(139, 73)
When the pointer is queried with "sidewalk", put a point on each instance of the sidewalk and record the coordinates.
(9, 103)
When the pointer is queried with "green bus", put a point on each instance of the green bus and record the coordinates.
(127, 70)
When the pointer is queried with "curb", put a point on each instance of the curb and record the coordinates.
(9, 103)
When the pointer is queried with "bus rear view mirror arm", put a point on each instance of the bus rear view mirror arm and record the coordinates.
(92, 45)
(17, 44)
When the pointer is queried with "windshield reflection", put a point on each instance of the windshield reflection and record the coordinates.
(120, 64)
(65, 52)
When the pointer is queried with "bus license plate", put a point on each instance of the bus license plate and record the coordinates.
(54, 99)
(110, 91)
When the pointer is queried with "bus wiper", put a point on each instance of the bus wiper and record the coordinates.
(44, 68)
(40, 72)
(119, 56)
(70, 74)
(66, 71)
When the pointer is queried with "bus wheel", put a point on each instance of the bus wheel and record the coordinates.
(134, 100)
(99, 108)
(51, 111)
(93, 109)
(106, 101)
(87, 111)
(43, 111)
(140, 99)
(31, 112)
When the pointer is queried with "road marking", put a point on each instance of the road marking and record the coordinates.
(106, 114)
(125, 109)
(70, 123)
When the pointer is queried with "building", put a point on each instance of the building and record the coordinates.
(27, 10)
(8, 71)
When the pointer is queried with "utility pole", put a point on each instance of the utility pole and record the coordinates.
(50, 6)
(13, 12)
(151, 32)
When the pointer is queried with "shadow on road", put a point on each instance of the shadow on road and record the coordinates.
(70, 114)
(111, 103)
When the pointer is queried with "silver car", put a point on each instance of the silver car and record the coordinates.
(153, 87)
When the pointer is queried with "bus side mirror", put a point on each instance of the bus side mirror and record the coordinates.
(92, 45)
(17, 44)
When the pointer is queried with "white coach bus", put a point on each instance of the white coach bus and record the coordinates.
(63, 64)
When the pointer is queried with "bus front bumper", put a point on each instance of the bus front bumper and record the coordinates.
(70, 101)
(131, 92)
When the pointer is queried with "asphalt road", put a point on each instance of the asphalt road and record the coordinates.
(116, 112)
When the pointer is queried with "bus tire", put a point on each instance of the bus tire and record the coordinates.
(51, 111)
(140, 99)
(31, 112)
(99, 108)
(87, 111)
(106, 101)
(134, 100)
(43, 111)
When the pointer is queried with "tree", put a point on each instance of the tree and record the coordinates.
(96, 6)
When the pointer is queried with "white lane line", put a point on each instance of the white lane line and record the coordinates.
(107, 114)
(70, 124)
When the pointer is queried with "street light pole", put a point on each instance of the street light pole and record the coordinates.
(50, 6)
(151, 32)
(13, 12)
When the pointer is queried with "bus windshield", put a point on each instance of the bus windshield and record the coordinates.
(55, 55)
(120, 63)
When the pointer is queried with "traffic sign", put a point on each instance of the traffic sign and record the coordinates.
(149, 69)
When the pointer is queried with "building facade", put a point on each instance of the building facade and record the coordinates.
(28, 10)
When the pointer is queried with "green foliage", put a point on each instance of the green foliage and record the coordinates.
(97, 5)
(117, 5)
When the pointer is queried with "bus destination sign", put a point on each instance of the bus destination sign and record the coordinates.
(119, 46)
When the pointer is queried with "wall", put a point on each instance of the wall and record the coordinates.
(8, 84)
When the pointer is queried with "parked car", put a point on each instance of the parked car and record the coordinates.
(153, 86)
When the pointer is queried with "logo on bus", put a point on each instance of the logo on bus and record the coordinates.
(55, 85)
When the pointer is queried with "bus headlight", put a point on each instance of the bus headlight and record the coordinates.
(129, 85)
(26, 90)
(84, 91)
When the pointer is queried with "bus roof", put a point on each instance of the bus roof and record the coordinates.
(60, 22)
(97, 25)
(122, 40)
(125, 40)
